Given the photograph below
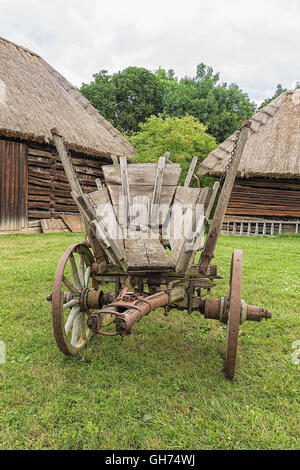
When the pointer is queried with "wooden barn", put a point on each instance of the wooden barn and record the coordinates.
(266, 197)
(34, 98)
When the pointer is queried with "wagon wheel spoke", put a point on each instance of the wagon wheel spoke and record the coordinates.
(71, 318)
(82, 327)
(70, 286)
(70, 304)
(75, 330)
(87, 276)
(81, 272)
(73, 273)
(76, 278)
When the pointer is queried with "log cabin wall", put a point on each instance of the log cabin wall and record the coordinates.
(265, 199)
(13, 186)
(48, 188)
(260, 206)
(34, 185)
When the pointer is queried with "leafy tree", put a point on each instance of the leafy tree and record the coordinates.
(126, 98)
(220, 107)
(102, 94)
(183, 137)
(278, 92)
(129, 97)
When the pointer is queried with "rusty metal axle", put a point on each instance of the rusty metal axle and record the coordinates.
(217, 309)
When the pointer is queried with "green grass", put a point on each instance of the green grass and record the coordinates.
(162, 388)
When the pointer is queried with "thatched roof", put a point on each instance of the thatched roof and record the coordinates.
(37, 98)
(273, 147)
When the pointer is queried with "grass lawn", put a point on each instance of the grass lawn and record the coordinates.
(162, 388)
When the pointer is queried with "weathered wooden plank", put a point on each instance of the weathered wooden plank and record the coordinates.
(136, 254)
(142, 174)
(66, 161)
(185, 199)
(53, 226)
(190, 172)
(216, 225)
(98, 183)
(105, 209)
(73, 222)
(39, 214)
(157, 256)
(124, 214)
(167, 194)
(154, 211)
(13, 186)
(214, 193)
(147, 254)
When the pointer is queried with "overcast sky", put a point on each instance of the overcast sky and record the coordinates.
(255, 44)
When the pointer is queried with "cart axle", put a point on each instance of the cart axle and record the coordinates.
(217, 309)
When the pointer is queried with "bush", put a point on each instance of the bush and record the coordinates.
(183, 137)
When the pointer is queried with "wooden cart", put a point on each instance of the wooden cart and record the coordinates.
(131, 243)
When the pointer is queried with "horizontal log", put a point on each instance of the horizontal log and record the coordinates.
(273, 183)
(38, 205)
(263, 212)
(271, 208)
(40, 173)
(33, 189)
(39, 182)
(36, 163)
(64, 208)
(45, 198)
(68, 201)
(39, 215)
(40, 153)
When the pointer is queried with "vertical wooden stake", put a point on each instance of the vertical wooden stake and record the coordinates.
(211, 240)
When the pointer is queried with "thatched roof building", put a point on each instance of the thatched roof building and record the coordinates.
(267, 189)
(34, 98)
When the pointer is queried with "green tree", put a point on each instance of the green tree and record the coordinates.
(278, 92)
(102, 94)
(126, 98)
(220, 107)
(183, 137)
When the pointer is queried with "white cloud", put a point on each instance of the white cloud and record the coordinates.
(254, 44)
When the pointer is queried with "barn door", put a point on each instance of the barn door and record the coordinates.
(13, 186)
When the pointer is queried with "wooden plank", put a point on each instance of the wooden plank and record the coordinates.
(104, 207)
(185, 199)
(147, 254)
(97, 225)
(154, 211)
(73, 222)
(167, 194)
(136, 254)
(98, 183)
(140, 211)
(190, 172)
(66, 161)
(124, 214)
(157, 256)
(142, 174)
(13, 186)
(216, 225)
(53, 226)
(210, 205)
(39, 215)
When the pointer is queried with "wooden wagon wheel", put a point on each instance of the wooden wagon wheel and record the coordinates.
(234, 314)
(73, 274)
